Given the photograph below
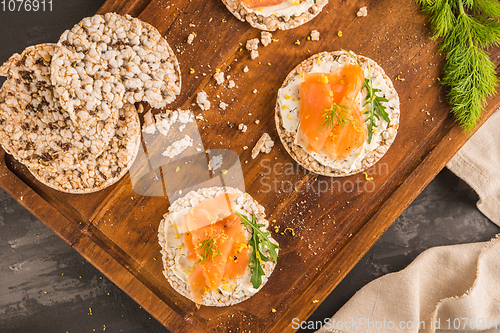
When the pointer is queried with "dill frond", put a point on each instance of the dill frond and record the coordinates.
(466, 29)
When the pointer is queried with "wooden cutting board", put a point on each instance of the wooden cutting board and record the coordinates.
(116, 229)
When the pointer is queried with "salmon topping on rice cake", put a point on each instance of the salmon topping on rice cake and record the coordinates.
(273, 15)
(337, 113)
(216, 248)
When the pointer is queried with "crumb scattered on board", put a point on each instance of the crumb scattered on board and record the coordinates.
(363, 11)
(231, 84)
(163, 121)
(245, 70)
(223, 105)
(215, 162)
(178, 147)
(242, 127)
(252, 46)
(149, 126)
(202, 100)
(314, 35)
(266, 38)
(190, 38)
(219, 78)
(264, 145)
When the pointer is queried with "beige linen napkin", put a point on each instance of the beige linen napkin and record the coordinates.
(478, 164)
(445, 289)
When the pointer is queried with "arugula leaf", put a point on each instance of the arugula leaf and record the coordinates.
(259, 237)
(374, 103)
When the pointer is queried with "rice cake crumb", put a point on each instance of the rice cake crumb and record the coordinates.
(266, 38)
(245, 70)
(149, 125)
(219, 78)
(255, 91)
(252, 46)
(231, 84)
(315, 35)
(264, 145)
(202, 100)
(140, 108)
(190, 38)
(215, 162)
(178, 147)
(363, 11)
(242, 128)
(223, 105)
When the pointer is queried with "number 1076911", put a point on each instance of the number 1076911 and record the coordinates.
(26, 5)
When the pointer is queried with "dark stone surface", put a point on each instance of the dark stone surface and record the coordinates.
(46, 287)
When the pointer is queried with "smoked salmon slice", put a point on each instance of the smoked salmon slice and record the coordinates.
(261, 3)
(208, 212)
(318, 93)
(342, 141)
(219, 248)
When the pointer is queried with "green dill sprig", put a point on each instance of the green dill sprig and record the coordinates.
(466, 29)
(374, 102)
(336, 114)
(210, 250)
(258, 239)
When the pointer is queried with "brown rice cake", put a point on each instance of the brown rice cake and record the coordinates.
(288, 106)
(95, 174)
(175, 260)
(34, 128)
(108, 60)
(288, 15)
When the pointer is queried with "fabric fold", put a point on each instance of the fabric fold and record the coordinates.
(478, 164)
(445, 289)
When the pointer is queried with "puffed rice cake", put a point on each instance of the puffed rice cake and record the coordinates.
(108, 60)
(34, 128)
(95, 174)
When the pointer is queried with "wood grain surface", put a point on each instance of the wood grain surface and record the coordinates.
(334, 221)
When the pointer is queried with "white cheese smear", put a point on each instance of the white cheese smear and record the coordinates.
(285, 9)
(289, 104)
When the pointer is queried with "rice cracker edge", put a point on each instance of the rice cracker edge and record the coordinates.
(108, 168)
(212, 297)
(34, 128)
(273, 22)
(304, 158)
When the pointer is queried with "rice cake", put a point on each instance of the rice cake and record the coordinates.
(95, 174)
(288, 15)
(287, 115)
(108, 60)
(175, 257)
(34, 128)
